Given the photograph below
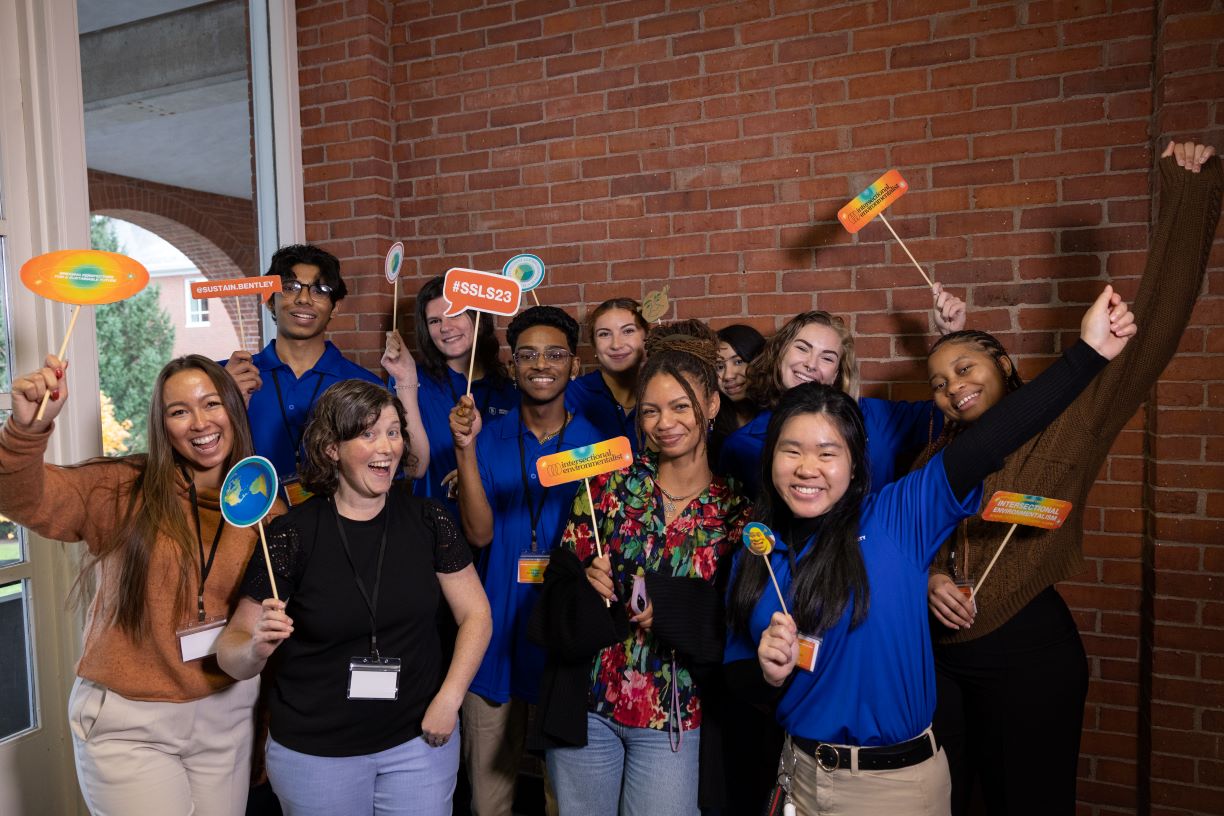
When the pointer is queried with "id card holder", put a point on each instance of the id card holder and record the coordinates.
(200, 639)
(531, 568)
(373, 678)
(295, 492)
(808, 648)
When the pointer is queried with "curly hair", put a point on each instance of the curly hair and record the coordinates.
(765, 386)
(543, 316)
(686, 350)
(345, 410)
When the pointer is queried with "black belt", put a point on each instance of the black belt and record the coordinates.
(884, 758)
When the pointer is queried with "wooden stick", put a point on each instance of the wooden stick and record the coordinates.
(533, 297)
(595, 528)
(42, 407)
(241, 328)
(978, 584)
(777, 588)
(472, 362)
(267, 560)
(395, 305)
(907, 252)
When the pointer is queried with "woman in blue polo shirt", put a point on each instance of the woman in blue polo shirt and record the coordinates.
(816, 346)
(853, 566)
(607, 396)
(446, 348)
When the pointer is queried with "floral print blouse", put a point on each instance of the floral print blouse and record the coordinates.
(631, 681)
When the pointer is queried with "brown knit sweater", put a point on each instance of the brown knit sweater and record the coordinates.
(1062, 462)
(86, 503)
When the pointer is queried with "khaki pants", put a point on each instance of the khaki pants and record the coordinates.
(163, 759)
(493, 743)
(924, 789)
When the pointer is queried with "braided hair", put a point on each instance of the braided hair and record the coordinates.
(686, 350)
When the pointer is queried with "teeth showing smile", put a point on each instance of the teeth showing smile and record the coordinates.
(803, 490)
(542, 380)
(206, 441)
(963, 401)
(303, 315)
(803, 376)
(380, 466)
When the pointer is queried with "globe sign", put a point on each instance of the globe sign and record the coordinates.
(527, 269)
(248, 491)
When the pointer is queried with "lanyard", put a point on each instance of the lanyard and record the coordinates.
(535, 512)
(205, 564)
(371, 601)
(295, 432)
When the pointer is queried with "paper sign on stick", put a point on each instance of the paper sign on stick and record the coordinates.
(655, 305)
(481, 292)
(872, 201)
(248, 492)
(527, 269)
(265, 286)
(758, 538)
(84, 277)
(395, 260)
(584, 462)
(1033, 511)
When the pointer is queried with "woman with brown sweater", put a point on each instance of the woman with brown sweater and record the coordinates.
(1011, 670)
(157, 727)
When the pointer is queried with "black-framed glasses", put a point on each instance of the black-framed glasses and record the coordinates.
(291, 286)
(530, 356)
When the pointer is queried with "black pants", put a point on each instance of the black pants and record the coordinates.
(1010, 710)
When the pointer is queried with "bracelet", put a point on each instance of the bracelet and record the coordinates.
(398, 386)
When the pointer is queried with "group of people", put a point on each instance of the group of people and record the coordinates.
(430, 604)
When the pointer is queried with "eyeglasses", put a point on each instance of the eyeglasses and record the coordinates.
(318, 291)
(529, 356)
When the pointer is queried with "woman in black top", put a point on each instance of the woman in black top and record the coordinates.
(363, 712)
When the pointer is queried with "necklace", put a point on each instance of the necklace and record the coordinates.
(549, 436)
(670, 501)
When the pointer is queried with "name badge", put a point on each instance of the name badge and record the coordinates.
(200, 639)
(808, 648)
(295, 493)
(531, 568)
(373, 678)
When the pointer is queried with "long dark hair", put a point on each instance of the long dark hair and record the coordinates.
(989, 345)
(487, 347)
(747, 343)
(154, 508)
(344, 411)
(831, 574)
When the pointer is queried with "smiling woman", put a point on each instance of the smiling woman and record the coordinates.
(147, 521)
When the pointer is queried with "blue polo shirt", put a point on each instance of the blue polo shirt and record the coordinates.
(874, 685)
(512, 664)
(590, 396)
(436, 397)
(892, 428)
(279, 410)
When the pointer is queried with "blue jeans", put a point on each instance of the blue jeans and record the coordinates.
(408, 779)
(626, 771)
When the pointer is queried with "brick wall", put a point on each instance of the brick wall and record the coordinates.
(216, 232)
(707, 146)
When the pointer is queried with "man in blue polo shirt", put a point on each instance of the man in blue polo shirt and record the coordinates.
(504, 509)
(282, 382)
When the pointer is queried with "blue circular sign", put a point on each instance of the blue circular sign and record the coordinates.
(527, 269)
(248, 491)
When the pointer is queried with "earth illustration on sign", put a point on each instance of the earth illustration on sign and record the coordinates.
(248, 491)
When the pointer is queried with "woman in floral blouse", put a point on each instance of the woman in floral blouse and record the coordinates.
(665, 523)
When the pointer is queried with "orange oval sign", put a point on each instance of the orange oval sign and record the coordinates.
(84, 277)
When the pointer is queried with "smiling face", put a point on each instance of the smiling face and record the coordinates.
(966, 381)
(669, 418)
(452, 336)
(197, 423)
(303, 316)
(732, 373)
(620, 343)
(813, 356)
(543, 380)
(368, 462)
(812, 465)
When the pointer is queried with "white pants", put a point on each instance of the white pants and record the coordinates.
(163, 759)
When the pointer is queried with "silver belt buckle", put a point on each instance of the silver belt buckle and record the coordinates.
(826, 757)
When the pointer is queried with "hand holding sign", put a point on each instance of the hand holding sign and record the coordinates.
(872, 202)
(248, 492)
(583, 463)
(465, 289)
(760, 540)
(391, 268)
(1019, 508)
(83, 277)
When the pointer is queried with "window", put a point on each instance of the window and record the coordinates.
(197, 310)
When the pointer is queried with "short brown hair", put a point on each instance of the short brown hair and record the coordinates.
(342, 413)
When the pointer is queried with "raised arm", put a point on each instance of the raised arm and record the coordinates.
(402, 368)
